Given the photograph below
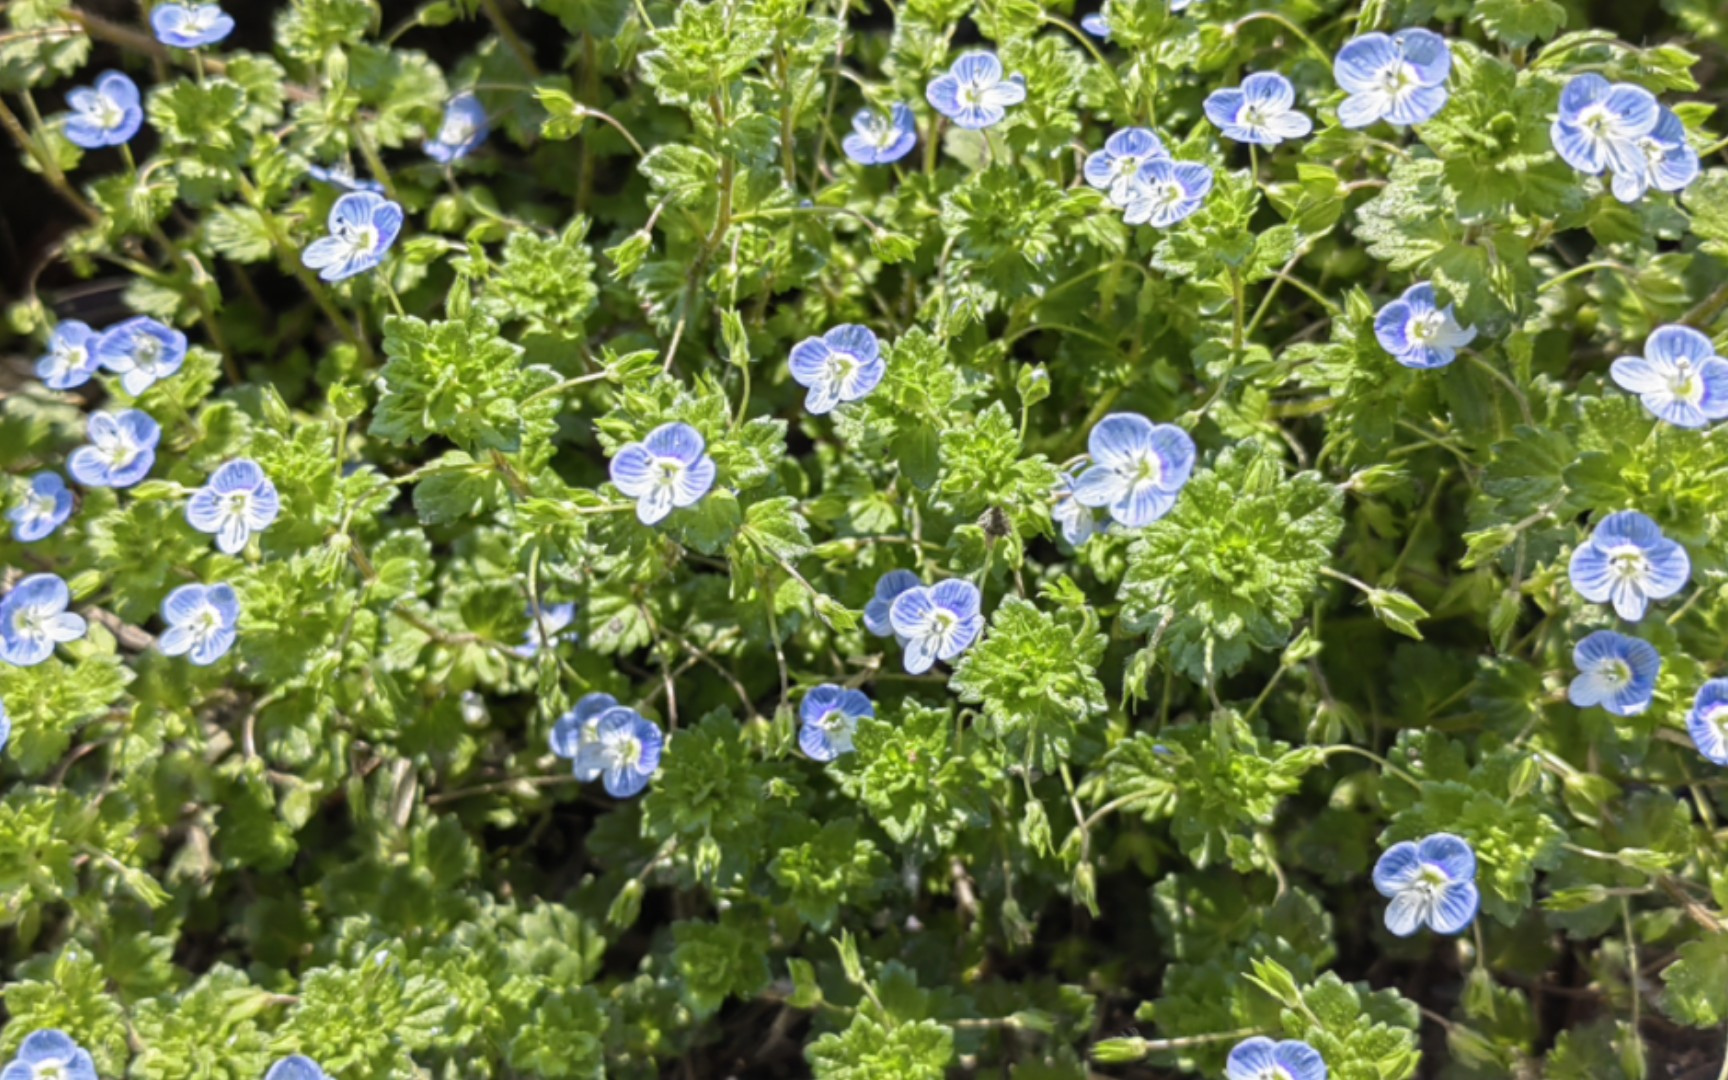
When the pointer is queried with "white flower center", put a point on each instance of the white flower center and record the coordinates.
(1614, 672)
(1147, 470)
(1628, 563)
(668, 472)
(1684, 383)
(1253, 116)
(206, 623)
(1398, 78)
(359, 238)
(239, 503)
(146, 351)
(457, 130)
(1168, 194)
(971, 95)
(106, 113)
(28, 622)
(1718, 717)
(1127, 165)
(833, 720)
(121, 453)
(1597, 121)
(200, 19)
(68, 358)
(50, 1070)
(38, 506)
(1425, 328)
(625, 750)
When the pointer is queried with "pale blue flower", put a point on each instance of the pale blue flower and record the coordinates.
(121, 451)
(1708, 721)
(1600, 125)
(937, 623)
(844, 364)
(1165, 192)
(190, 26)
(1670, 163)
(829, 716)
(107, 114)
(973, 92)
(464, 128)
(579, 727)
(1431, 883)
(298, 1067)
(624, 751)
(1138, 468)
(670, 468)
(546, 626)
(202, 621)
(1616, 672)
(342, 175)
(1418, 332)
(1397, 77)
(1077, 520)
(50, 1055)
(1628, 562)
(1097, 24)
(1114, 168)
(1259, 1058)
(363, 225)
(238, 501)
(1679, 378)
(881, 140)
(71, 358)
(888, 587)
(142, 352)
(1262, 111)
(34, 619)
(45, 507)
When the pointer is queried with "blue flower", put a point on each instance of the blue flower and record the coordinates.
(1616, 672)
(122, 449)
(973, 92)
(1077, 520)
(107, 114)
(1096, 24)
(936, 623)
(464, 128)
(1399, 77)
(1600, 124)
(71, 358)
(142, 352)
(1670, 163)
(1679, 378)
(670, 468)
(202, 621)
(1164, 192)
(1418, 332)
(342, 175)
(190, 26)
(1430, 882)
(1708, 721)
(1137, 470)
(298, 1067)
(238, 501)
(878, 139)
(546, 625)
(844, 364)
(34, 619)
(1260, 1058)
(888, 587)
(624, 751)
(363, 225)
(1627, 561)
(830, 716)
(578, 727)
(50, 1055)
(1114, 168)
(45, 508)
(1262, 111)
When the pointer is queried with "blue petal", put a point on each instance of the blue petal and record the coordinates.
(1578, 148)
(678, 441)
(1223, 106)
(1396, 868)
(1426, 52)
(819, 702)
(1251, 1059)
(957, 596)
(1269, 90)
(943, 94)
(1360, 62)
(1392, 326)
(1174, 449)
(1300, 1061)
(1668, 345)
(297, 1067)
(1417, 106)
(1580, 94)
(1120, 439)
(1457, 908)
(1452, 854)
(978, 68)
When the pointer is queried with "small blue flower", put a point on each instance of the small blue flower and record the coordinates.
(670, 468)
(190, 26)
(1262, 111)
(71, 358)
(342, 175)
(973, 92)
(1708, 721)
(363, 225)
(578, 727)
(881, 140)
(464, 128)
(1628, 562)
(238, 501)
(45, 508)
(34, 619)
(1418, 332)
(1138, 468)
(937, 623)
(1260, 1058)
(1399, 77)
(844, 364)
(1097, 24)
(121, 451)
(1600, 124)
(298, 1067)
(1431, 882)
(1670, 163)
(202, 621)
(624, 751)
(888, 587)
(107, 114)
(1165, 192)
(1616, 672)
(50, 1055)
(142, 352)
(546, 626)
(1077, 520)
(1114, 168)
(1679, 378)
(830, 716)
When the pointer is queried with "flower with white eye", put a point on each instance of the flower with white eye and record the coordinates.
(238, 501)
(624, 752)
(1601, 123)
(937, 623)
(888, 588)
(121, 451)
(190, 26)
(1708, 721)
(71, 358)
(1670, 163)
(1430, 883)
(1628, 562)
(45, 507)
(299, 1066)
(1418, 332)
(546, 626)
(577, 728)
(844, 364)
(1679, 379)
(363, 225)
(973, 93)
(1259, 1058)
(142, 352)
(50, 1055)
(1616, 672)
(1138, 468)
(1165, 192)
(1397, 77)
(829, 716)
(464, 128)
(1261, 112)
(1114, 168)
(34, 619)
(107, 114)
(878, 139)
(203, 622)
(667, 470)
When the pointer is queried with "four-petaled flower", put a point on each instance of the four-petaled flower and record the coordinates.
(1670, 163)
(577, 728)
(1708, 721)
(1077, 520)
(878, 139)
(1262, 111)
(1260, 1058)
(889, 586)
(844, 364)
(342, 175)
(1398, 77)
(71, 358)
(1137, 469)
(830, 716)
(670, 468)
(1616, 672)
(107, 114)
(363, 225)
(1600, 125)
(1418, 332)
(936, 623)
(1164, 192)
(297, 1067)
(1628, 562)
(464, 128)
(45, 507)
(546, 626)
(34, 619)
(238, 501)
(1679, 378)
(122, 449)
(624, 752)
(1114, 168)
(202, 620)
(1430, 882)
(190, 26)
(142, 352)
(50, 1055)
(973, 92)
